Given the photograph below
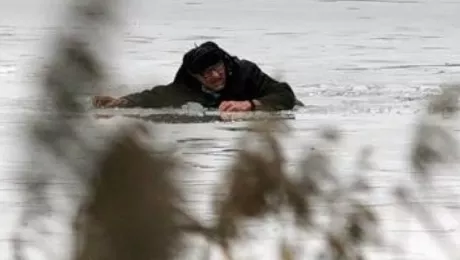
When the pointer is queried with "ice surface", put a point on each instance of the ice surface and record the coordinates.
(366, 66)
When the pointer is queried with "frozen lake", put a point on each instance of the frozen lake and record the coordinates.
(366, 66)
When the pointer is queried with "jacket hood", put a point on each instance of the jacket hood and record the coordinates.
(200, 58)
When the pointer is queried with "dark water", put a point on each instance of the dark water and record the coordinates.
(365, 66)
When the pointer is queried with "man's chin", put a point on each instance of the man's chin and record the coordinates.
(219, 88)
(216, 88)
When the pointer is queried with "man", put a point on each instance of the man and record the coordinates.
(211, 77)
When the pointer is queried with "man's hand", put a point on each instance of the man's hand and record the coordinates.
(235, 106)
(109, 102)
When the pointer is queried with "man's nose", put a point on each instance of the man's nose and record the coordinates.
(214, 73)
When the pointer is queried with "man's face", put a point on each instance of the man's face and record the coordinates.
(213, 77)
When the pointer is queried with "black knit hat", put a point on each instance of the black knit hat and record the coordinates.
(202, 57)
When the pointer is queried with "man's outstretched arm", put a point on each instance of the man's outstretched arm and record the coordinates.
(172, 95)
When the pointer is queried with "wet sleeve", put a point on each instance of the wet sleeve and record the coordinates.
(171, 95)
(175, 94)
(272, 94)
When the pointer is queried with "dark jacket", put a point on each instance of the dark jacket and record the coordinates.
(245, 81)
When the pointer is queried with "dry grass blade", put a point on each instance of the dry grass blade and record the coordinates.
(130, 213)
(250, 186)
(315, 168)
(73, 69)
(360, 182)
(316, 175)
(361, 224)
(330, 133)
(429, 220)
(446, 103)
(300, 204)
(253, 176)
(432, 142)
(286, 252)
(338, 248)
(257, 184)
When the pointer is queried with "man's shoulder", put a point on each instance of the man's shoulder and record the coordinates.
(248, 67)
(244, 63)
